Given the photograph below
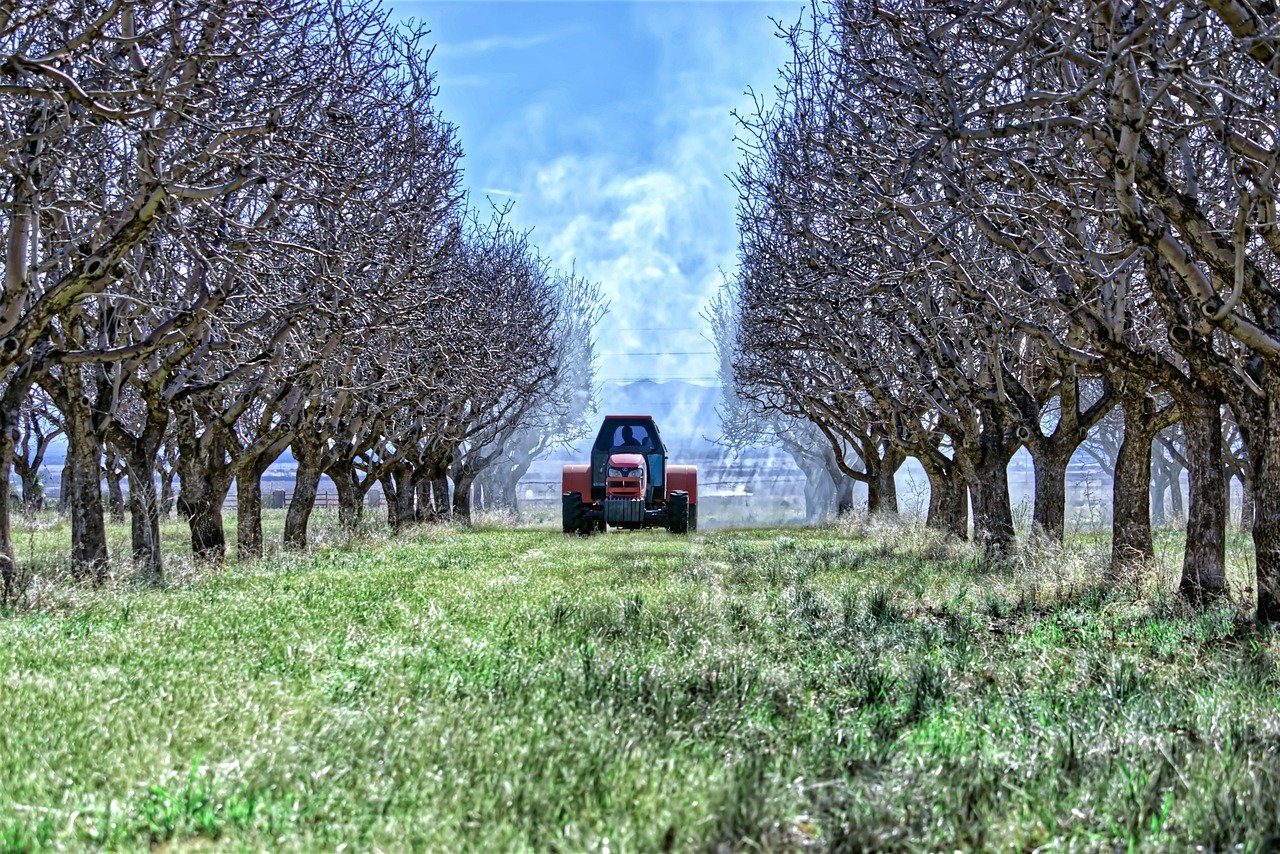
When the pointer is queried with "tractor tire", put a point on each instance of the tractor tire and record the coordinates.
(678, 512)
(693, 517)
(571, 512)
(600, 526)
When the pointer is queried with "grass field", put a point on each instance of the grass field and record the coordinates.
(866, 687)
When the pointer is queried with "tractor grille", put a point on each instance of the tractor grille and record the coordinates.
(618, 511)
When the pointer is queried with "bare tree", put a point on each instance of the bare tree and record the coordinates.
(38, 428)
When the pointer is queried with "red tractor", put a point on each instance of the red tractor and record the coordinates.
(629, 483)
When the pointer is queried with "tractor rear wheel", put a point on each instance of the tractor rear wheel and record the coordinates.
(678, 512)
(571, 512)
(693, 517)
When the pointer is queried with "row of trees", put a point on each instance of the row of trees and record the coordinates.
(967, 230)
(233, 227)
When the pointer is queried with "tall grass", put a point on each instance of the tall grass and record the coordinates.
(868, 686)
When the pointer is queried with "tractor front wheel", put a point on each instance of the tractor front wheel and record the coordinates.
(678, 512)
(571, 512)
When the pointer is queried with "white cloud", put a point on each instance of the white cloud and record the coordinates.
(656, 226)
(494, 43)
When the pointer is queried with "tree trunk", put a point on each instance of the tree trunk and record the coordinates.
(422, 495)
(948, 509)
(392, 497)
(1265, 456)
(992, 511)
(461, 504)
(84, 458)
(201, 505)
(1247, 506)
(144, 516)
(1204, 561)
(206, 479)
(440, 496)
(1049, 512)
(32, 489)
(986, 470)
(1177, 509)
(819, 488)
(166, 491)
(1159, 486)
(8, 572)
(407, 495)
(507, 487)
(115, 495)
(249, 512)
(844, 495)
(1130, 491)
(350, 496)
(304, 500)
(886, 483)
(65, 486)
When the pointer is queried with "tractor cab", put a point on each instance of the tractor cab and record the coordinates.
(633, 436)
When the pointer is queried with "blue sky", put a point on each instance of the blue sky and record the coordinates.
(609, 125)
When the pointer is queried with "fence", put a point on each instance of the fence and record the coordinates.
(279, 499)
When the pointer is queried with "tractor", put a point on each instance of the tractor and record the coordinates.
(629, 483)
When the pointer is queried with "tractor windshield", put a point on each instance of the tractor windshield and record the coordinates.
(632, 437)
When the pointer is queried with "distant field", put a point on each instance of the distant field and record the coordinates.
(867, 687)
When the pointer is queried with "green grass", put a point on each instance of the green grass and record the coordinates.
(849, 689)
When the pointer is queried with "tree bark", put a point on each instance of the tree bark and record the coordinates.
(305, 485)
(461, 503)
(84, 458)
(986, 468)
(392, 497)
(406, 497)
(167, 500)
(206, 478)
(65, 486)
(886, 484)
(819, 489)
(201, 506)
(1130, 490)
(1159, 486)
(32, 489)
(1204, 561)
(1177, 508)
(844, 495)
(144, 507)
(115, 495)
(992, 511)
(8, 572)
(948, 508)
(350, 496)
(440, 496)
(1049, 511)
(1247, 505)
(1265, 456)
(421, 485)
(249, 512)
